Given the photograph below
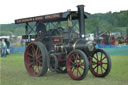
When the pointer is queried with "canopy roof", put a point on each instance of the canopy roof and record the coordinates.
(52, 17)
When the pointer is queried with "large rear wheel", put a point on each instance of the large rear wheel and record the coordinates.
(35, 59)
(77, 65)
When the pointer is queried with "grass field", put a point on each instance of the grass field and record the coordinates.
(13, 72)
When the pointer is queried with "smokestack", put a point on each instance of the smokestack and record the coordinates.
(81, 20)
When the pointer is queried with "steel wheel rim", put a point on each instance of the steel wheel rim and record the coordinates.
(53, 62)
(33, 60)
(75, 67)
(99, 64)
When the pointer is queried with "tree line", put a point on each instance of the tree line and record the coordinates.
(113, 22)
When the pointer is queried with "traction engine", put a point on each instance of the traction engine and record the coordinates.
(53, 43)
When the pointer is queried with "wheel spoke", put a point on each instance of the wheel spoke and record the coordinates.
(72, 62)
(78, 71)
(30, 59)
(34, 68)
(101, 57)
(33, 49)
(104, 63)
(101, 69)
(30, 64)
(80, 60)
(93, 63)
(29, 54)
(73, 69)
(82, 64)
(39, 55)
(39, 61)
(95, 67)
(37, 50)
(81, 67)
(38, 68)
(97, 56)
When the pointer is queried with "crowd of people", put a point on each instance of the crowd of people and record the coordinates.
(122, 40)
(4, 45)
(111, 40)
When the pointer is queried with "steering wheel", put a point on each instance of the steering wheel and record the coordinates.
(60, 29)
(55, 32)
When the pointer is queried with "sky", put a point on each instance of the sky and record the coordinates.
(16, 9)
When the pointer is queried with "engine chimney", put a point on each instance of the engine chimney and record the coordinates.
(81, 20)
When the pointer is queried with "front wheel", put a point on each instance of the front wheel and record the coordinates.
(100, 63)
(77, 65)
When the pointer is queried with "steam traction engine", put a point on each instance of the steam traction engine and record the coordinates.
(53, 41)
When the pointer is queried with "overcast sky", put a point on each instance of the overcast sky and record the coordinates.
(15, 9)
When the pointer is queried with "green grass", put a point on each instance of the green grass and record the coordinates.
(13, 72)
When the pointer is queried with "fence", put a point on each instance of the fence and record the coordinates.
(19, 49)
(114, 50)
(111, 50)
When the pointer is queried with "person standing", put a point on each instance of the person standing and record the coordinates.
(8, 45)
(4, 48)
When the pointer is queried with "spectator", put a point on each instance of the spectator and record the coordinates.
(22, 42)
(113, 41)
(8, 45)
(127, 40)
(4, 48)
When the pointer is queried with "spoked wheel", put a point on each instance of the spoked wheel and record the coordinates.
(35, 59)
(53, 62)
(77, 65)
(100, 63)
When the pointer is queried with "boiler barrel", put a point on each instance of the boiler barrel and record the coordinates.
(78, 44)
